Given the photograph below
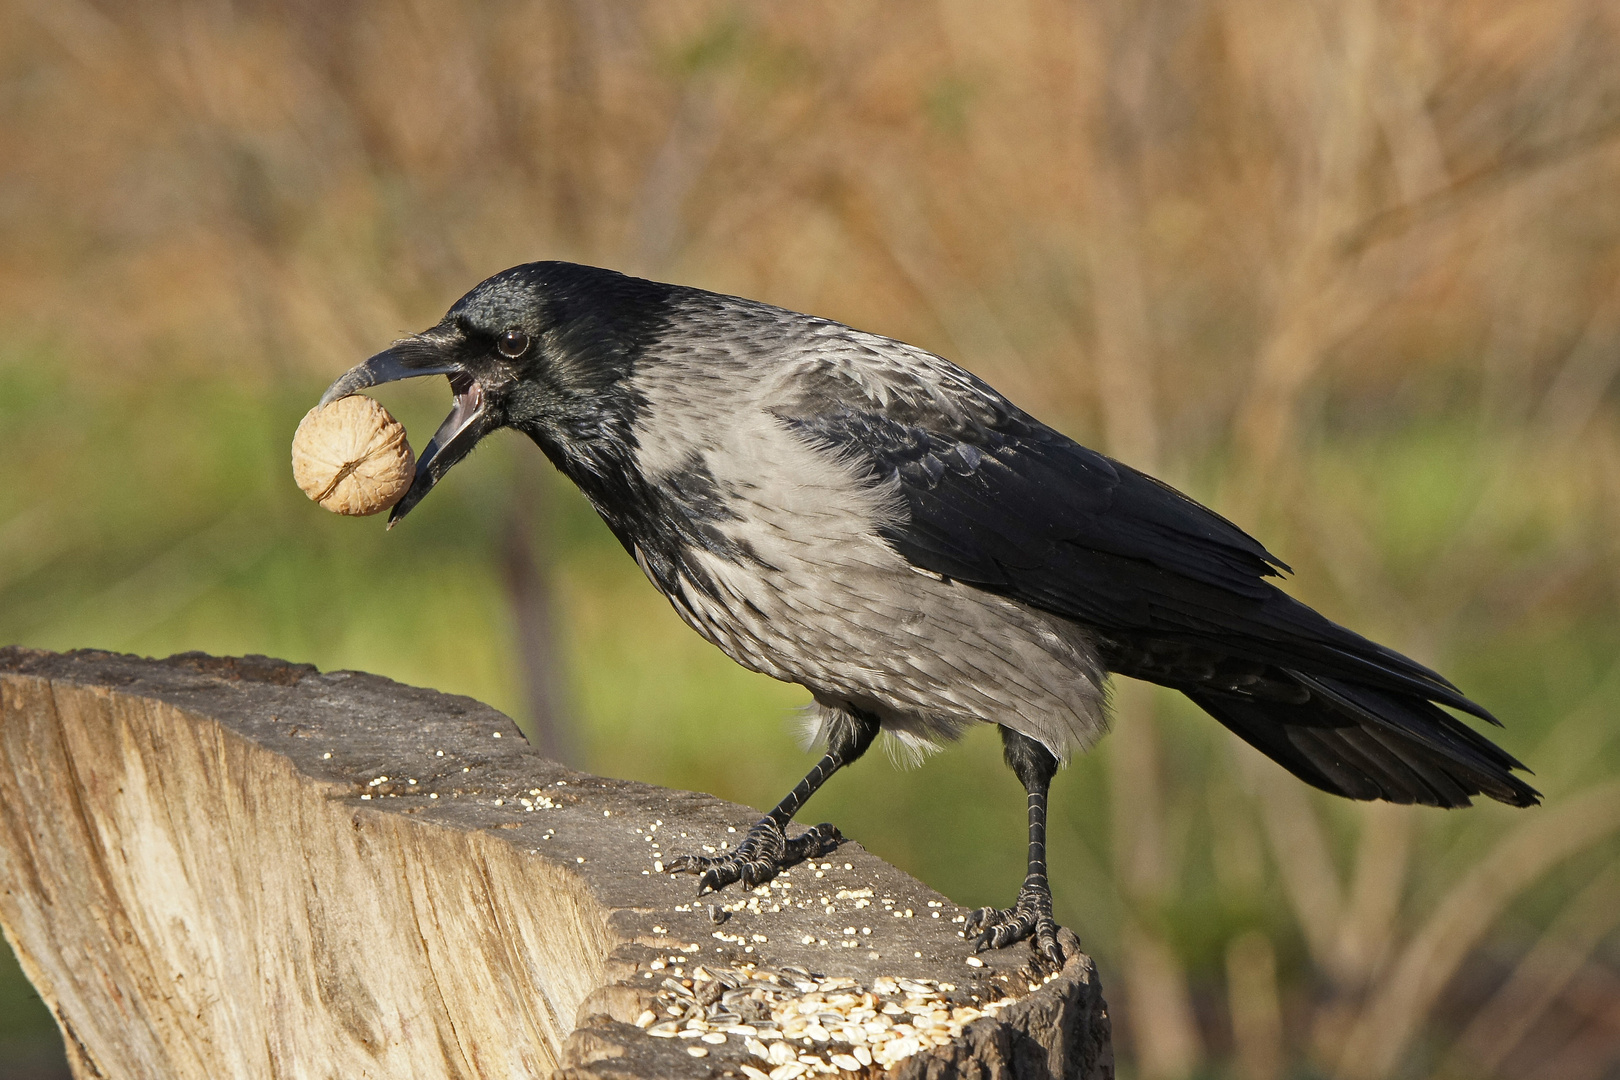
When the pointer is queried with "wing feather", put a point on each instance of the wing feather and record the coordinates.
(1173, 592)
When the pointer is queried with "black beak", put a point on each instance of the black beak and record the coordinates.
(469, 420)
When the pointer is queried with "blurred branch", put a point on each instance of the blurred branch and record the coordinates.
(1300, 850)
(1377, 887)
(1402, 998)
(1508, 168)
(1581, 735)
(919, 253)
(694, 133)
(1163, 1029)
(1124, 349)
(1541, 975)
(1592, 1003)
(529, 591)
(1141, 855)
(1577, 391)
(1257, 1024)
(78, 29)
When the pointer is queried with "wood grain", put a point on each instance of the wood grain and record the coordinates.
(246, 868)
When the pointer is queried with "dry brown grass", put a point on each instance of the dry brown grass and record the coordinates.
(1197, 232)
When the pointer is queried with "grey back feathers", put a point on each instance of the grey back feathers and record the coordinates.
(812, 592)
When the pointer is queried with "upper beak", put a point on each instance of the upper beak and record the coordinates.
(391, 365)
(468, 421)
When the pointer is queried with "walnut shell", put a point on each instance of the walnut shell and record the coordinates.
(352, 457)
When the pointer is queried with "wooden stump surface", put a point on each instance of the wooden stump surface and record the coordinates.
(239, 867)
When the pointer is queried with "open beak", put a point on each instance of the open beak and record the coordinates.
(469, 419)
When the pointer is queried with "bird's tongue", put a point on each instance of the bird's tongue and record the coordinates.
(468, 408)
(465, 425)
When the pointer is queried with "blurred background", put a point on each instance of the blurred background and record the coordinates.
(1347, 270)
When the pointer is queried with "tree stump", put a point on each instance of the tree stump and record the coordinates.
(247, 868)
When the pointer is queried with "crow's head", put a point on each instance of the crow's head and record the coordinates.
(543, 347)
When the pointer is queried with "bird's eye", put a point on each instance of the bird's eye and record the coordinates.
(513, 343)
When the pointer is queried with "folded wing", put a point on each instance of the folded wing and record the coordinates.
(1174, 594)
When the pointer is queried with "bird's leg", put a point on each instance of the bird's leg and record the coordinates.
(1034, 765)
(767, 850)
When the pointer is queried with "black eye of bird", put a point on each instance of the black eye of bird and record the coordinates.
(513, 343)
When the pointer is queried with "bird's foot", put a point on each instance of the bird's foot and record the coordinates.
(764, 853)
(1030, 917)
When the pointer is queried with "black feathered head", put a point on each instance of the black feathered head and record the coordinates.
(544, 348)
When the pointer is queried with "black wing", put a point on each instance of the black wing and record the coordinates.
(1174, 594)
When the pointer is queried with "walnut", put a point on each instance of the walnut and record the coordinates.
(351, 456)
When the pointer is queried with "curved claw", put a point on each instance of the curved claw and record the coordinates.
(1046, 944)
(763, 854)
(981, 917)
(1031, 917)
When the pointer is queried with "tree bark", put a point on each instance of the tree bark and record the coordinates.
(246, 868)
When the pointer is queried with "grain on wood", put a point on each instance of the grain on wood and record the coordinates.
(241, 867)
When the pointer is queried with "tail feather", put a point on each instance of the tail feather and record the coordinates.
(1363, 743)
(1415, 717)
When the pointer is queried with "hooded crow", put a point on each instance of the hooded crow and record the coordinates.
(870, 521)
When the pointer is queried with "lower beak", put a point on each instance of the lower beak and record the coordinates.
(469, 419)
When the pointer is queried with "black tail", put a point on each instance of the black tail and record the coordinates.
(1366, 743)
